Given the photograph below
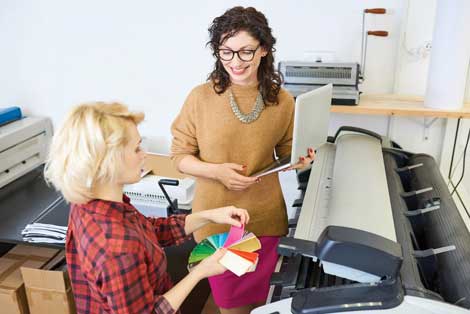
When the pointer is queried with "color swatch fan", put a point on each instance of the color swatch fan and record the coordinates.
(241, 246)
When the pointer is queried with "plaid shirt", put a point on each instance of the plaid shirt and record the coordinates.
(115, 258)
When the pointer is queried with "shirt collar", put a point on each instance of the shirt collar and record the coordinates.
(111, 208)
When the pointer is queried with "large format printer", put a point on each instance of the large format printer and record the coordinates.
(25, 197)
(377, 232)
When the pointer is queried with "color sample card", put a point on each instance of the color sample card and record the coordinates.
(249, 243)
(235, 235)
(235, 263)
(250, 256)
(240, 257)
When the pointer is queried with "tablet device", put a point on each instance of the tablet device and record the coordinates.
(275, 166)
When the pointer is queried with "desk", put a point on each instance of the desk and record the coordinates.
(29, 199)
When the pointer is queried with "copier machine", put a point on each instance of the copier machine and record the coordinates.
(377, 232)
(23, 147)
(25, 197)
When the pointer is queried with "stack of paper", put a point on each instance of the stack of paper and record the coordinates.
(44, 233)
(240, 257)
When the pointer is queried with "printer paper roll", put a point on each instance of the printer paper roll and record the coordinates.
(450, 55)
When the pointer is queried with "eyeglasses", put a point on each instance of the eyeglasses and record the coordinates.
(243, 54)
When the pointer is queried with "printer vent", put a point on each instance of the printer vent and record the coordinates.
(320, 72)
(146, 196)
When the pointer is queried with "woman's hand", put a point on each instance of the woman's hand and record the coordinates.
(210, 266)
(304, 161)
(224, 215)
(228, 174)
(206, 268)
(229, 215)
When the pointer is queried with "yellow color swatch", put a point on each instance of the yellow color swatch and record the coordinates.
(249, 243)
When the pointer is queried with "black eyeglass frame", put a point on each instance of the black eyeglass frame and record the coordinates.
(253, 52)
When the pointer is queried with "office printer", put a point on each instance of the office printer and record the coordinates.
(301, 77)
(23, 147)
(149, 198)
(377, 229)
(25, 197)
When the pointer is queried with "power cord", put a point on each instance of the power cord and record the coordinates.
(463, 164)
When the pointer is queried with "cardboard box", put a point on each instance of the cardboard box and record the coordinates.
(48, 291)
(57, 262)
(12, 292)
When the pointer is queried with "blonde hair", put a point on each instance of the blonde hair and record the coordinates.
(88, 148)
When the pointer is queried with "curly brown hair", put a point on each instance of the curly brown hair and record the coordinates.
(255, 23)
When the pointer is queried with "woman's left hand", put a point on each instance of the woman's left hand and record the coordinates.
(304, 161)
(229, 215)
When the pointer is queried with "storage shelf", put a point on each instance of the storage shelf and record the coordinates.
(399, 105)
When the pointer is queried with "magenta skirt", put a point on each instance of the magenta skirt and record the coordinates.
(231, 291)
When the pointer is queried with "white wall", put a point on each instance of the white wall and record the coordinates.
(149, 54)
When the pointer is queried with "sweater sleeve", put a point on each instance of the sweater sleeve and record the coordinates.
(183, 131)
(284, 146)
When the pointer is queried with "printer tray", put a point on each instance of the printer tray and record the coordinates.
(355, 297)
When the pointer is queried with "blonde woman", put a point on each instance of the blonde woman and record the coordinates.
(114, 254)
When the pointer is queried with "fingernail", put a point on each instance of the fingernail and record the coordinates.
(244, 167)
(302, 158)
(310, 150)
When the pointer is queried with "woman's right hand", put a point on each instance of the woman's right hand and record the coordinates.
(228, 174)
(210, 266)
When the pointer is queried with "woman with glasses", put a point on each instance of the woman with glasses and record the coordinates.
(228, 129)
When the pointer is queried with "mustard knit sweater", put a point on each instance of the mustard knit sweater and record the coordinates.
(207, 128)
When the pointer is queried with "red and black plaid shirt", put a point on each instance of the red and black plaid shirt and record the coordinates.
(115, 258)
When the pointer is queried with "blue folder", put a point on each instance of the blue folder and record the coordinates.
(9, 114)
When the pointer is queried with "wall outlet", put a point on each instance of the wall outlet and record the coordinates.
(426, 49)
(428, 45)
(422, 51)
